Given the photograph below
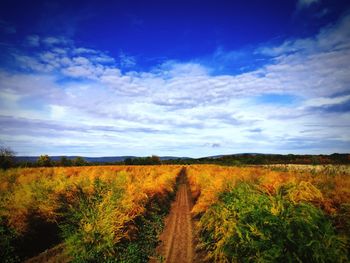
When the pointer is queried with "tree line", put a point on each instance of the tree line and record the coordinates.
(8, 160)
(264, 159)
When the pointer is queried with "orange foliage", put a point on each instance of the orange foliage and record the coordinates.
(326, 186)
(40, 190)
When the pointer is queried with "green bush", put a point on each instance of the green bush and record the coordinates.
(89, 227)
(8, 237)
(248, 225)
(149, 227)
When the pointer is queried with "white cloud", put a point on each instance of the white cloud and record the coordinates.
(102, 58)
(52, 41)
(81, 61)
(59, 51)
(181, 106)
(32, 63)
(78, 72)
(176, 69)
(320, 102)
(82, 50)
(58, 112)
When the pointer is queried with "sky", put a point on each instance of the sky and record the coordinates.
(175, 78)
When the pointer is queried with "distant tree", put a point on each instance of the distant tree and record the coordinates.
(7, 157)
(150, 160)
(44, 161)
(128, 161)
(315, 160)
(155, 159)
(64, 161)
(79, 161)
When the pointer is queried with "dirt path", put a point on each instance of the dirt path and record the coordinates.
(177, 237)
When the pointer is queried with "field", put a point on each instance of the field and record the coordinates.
(220, 214)
(99, 213)
(272, 214)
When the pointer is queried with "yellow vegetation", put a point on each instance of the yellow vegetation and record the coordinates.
(251, 213)
(27, 190)
(327, 186)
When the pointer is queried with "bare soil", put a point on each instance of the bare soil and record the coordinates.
(177, 243)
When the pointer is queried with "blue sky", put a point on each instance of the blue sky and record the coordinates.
(181, 78)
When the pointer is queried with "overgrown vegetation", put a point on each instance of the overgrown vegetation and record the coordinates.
(100, 211)
(115, 213)
(255, 214)
(249, 225)
(92, 235)
(7, 243)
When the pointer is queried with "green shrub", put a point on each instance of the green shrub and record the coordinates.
(88, 227)
(248, 225)
(149, 227)
(8, 237)
(90, 233)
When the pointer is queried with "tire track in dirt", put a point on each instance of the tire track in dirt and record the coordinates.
(177, 237)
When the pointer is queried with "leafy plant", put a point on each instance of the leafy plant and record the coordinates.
(7, 247)
(96, 231)
(149, 226)
(249, 225)
(89, 228)
(96, 208)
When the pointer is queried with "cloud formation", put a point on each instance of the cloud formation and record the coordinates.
(85, 99)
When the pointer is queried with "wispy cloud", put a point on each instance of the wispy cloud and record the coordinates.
(126, 61)
(52, 41)
(320, 102)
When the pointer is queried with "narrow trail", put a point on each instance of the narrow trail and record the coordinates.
(177, 237)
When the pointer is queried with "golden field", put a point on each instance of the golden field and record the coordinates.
(241, 214)
(99, 203)
(289, 213)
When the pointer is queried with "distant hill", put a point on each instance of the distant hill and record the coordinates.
(105, 159)
(228, 155)
(229, 159)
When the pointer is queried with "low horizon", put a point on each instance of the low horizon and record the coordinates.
(174, 78)
(172, 156)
